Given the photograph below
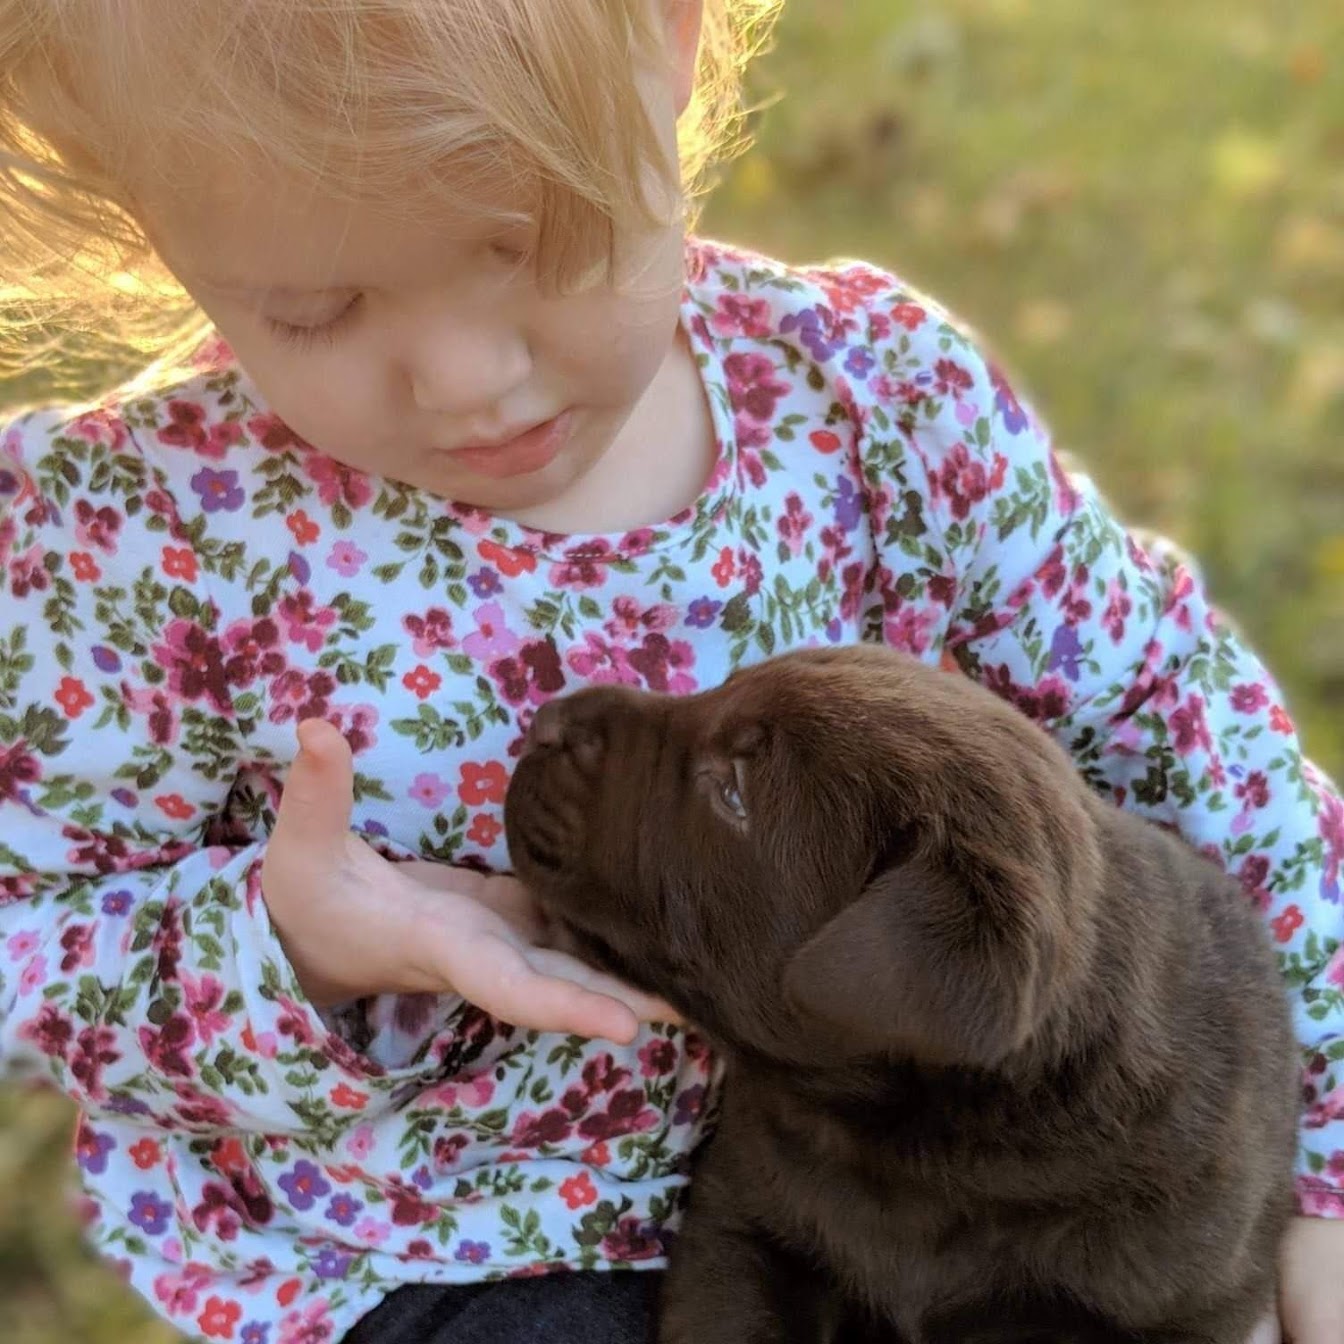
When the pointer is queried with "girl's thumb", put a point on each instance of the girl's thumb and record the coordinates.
(319, 793)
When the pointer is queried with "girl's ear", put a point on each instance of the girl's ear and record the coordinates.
(682, 21)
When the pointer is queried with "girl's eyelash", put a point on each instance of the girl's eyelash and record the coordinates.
(323, 333)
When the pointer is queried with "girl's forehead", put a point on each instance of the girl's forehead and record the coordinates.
(282, 235)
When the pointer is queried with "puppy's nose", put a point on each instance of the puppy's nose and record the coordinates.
(548, 727)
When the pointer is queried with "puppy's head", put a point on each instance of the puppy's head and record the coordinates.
(837, 853)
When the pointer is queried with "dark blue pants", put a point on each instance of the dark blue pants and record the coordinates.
(607, 1307)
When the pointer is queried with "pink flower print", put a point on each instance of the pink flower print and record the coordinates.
(178, 1293)
(166, 1047)
(738, 315)
(602, 663)
(1118, 607)
(360, 1143)
(964, 482)
(657, 1057)
(910, 628)
(346, 559)
(100, 426)
(755, 386)
(194, 662)
(372, 1231)
(433, 631)
(950, 379)
(253, 649)
(532, 676)
(310, 1325)
(665, 664)
(1249, 697)
(628, 617)
(492, 638)
(186, 425)
(356, 723)
(97, 528)
(51, 1031)
(794, 525)
(273, 434)
(204, 999)
(583, 566)
(295, 696)
(428, 790)
(33, 976)
(20, 944)
(305, 622)
(336, 483)
(94, 1049)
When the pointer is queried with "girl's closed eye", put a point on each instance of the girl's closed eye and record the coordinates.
(304, 335)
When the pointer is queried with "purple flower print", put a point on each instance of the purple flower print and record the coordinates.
(428, 790)
(299, 567)
(219, 490)
(1007, 404)
(486, 583)
(92, 1148)
(150, 1213)
(1066, 652)
(304, 1185)
(255, 1332)
(116, 902)
(344, 1209)
(332, 1263)
(492, 639)
(346, 559)
(689, 1105)
(848, 505)
(817, 331)
(472, 1252)
(860, 362)
(126, 797)
(703, 612)
(105, 659)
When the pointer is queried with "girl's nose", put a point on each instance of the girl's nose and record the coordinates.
(460, 368)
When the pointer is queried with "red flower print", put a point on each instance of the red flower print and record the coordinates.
(84, 567)
(422, 682)
(18, 766)
(510, 563)
(754, 386)
(483, 783)
(275, 436)
(657, 1057)
(302, 527)
(1286, 924)
(484, 830)
(1280, 721)
(725, 567)
(824, 441)
(179, 562)
(910, 315)
(578, 1191)
(346, 1097)
(950, 377)
(186, 425)
(532, 675)
(336, 483)
(175, 806)
(218, 1319)
(72, 697)
(288, 1291)
(145, 1153)
(229, 1157)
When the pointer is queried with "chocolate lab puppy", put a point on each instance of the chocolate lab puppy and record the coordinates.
(1002, 1062)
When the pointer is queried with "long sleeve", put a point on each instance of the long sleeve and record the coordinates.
(138, 967)
(1116, 649)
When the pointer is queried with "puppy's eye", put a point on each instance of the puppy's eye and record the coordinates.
(727, 794)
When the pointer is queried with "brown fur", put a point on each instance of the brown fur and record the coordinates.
(1003, 1063)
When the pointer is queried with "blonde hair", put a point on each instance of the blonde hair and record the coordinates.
(360, 98)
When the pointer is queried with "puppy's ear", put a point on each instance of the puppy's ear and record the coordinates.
(943, 963)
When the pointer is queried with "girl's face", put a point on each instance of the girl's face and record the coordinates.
(423, 348)
(427, 352)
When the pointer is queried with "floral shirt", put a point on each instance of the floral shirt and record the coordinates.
(182, 580)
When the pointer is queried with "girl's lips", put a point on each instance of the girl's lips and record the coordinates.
(527, 453)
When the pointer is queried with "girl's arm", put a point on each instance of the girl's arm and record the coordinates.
(1114, 647)
(139, 968)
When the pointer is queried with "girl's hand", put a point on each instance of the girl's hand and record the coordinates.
(1311, 1282)
(354, 924)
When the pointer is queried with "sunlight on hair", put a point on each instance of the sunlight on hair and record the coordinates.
(414, 101)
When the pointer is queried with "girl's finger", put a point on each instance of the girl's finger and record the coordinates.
(646, 1007)
(318, 796)
(497, 976)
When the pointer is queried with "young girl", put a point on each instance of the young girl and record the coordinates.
(478, 424)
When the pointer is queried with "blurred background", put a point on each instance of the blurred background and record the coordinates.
(1140, 205)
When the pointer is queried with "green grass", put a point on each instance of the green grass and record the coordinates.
(1141, 206)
